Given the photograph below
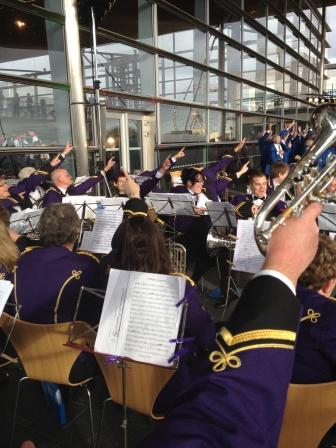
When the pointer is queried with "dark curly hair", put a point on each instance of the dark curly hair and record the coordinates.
(323, 267)
(140, 247)
(190, 174)
(59, 224)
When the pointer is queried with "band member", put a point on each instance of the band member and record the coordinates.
(8, 251)
(315, 353)
(119, 182)
(63, 184)
(216, 180)
(248, 205)
(237, 394)
(16, 197)
(48, 278)
(279, 172)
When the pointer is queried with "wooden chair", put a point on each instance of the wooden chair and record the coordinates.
(43, 354)
(310, 412)
(143, 383)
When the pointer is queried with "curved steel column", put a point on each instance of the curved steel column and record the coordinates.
(76, 86)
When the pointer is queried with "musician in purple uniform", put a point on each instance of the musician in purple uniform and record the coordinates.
(216, 180)
(248, 205)
(14, 198)
(315, 352)
(48, 278)
(237, 394)
(63, 184)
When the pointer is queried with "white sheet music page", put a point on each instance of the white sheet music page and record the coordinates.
(140, 316)
(106, 223)
(5, 290)
(247, 257)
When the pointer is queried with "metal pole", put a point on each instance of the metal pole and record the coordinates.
(323, 37)
(96, 85)
(74, 64)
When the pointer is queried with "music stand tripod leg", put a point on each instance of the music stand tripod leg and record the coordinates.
(124, 426)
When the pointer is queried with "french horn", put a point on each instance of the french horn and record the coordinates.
(308, 182)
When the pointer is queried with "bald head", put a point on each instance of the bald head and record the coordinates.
(61, 178)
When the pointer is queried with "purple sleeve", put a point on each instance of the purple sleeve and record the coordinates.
(148, 185)
(85, 186)
(27, 185)
(211, 171)
(8, 203)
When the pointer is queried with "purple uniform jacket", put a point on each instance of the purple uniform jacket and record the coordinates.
(243, 205)
(315, 352)
(214, 185)
(236, 396)
(54, 195)
(47, 282)
(24, 187)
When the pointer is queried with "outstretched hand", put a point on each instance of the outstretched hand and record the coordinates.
(240, 145)
(132, 189)
(110, 164)
(180, 154)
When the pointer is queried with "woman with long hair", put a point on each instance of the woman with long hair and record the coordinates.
(8, 253)
(139, 246)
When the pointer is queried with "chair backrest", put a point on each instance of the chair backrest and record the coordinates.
(310, 412)
(177, 256)
(143, 383)
(41, 348)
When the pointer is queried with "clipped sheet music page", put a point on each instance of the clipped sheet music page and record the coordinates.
(247, 257)
(140, 316)
(5, 290)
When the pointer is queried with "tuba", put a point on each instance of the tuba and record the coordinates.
(306, 180)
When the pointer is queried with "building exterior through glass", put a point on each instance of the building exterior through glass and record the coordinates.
(196, 73)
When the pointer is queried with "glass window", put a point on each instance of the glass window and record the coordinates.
(290, 108)
(257, 10)
(291, 63)
(273, 104)
(182, 82)
(114, 102)
(313, 58)
(196, 156)
(304, 29)
(129, 18)
(51, 5)
(182, 124)
(31, 46)
(223, 126)
(293, 11)
(302, 88)
(291, 40)
(253, 100)
(180, 37)
(274, 25)
(274, 79)
(135, 144)
(303, 50)
(120, 67)
(254, 40)
(28, 111)
(225, 21)
(290, 85)
(303, 113)
(275, 53)
(224, 92)
(253, 69)
(195, 8)
(224, 57)
(252, 126)
(303, 71)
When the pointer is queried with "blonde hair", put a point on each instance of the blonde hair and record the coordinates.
(8, 250)
(323, 267)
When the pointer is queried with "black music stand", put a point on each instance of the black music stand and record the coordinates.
(222, 214)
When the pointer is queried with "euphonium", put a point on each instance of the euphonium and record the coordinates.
(308, 182)
(216, 241)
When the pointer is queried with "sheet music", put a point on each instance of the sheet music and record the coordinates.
(92, 202)
(247, 257)
(140, 316)
(180, 204)
(26, 220)
(106, 223)
(5, 290)
(327, 219)
(86, 240)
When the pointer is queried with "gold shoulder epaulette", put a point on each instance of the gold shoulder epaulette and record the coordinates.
(52, 189)
(180, 274)
(29, 249)
(238, 206)
(11, 199)
(40, 172)
(88, 254)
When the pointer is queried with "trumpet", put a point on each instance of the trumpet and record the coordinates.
(306, 180)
